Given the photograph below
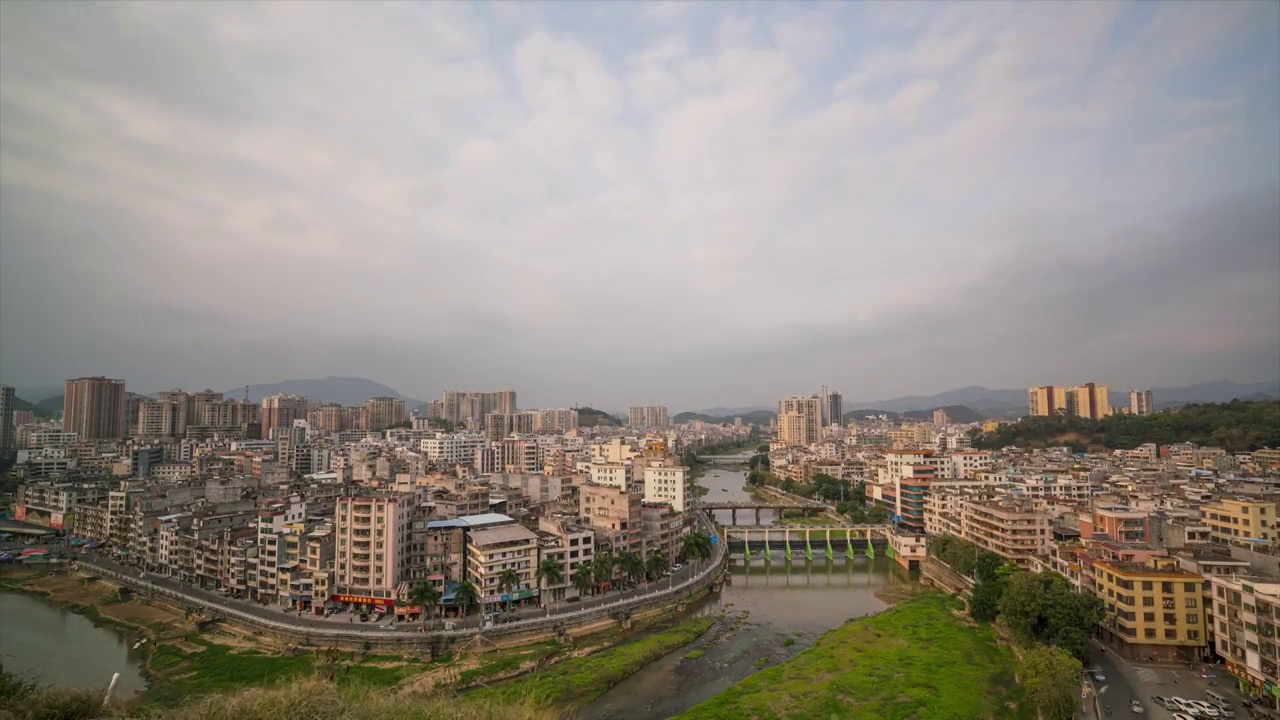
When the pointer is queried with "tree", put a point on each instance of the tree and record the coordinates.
(763, 449)
(1051, 679)
(466, 596)
(550, 572)
(656, 564)
(583, 580)
(990, 573)
(602, 567)
(424, 595)
(631, 564)
(508, 580)
(696, 545)
(877, 515)
(1042, 607)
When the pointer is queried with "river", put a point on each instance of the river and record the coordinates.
(54, 646)
(764, 606)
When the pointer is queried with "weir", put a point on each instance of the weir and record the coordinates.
(906, 549)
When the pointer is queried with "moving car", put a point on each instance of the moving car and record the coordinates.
(1136, 707)
(1099, 676)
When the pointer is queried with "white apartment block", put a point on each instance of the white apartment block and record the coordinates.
(612, 474)
(964, 465)
(649, 416)
(1246, 613)
(668, 484)
(454, 449)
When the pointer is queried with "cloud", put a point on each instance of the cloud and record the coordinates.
(690, 204)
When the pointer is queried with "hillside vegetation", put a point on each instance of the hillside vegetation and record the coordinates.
(591, 417)
(758, 417)
(1235, 426)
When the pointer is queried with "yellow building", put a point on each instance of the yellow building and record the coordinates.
(1089, 401)
(1153, 609)
(1236, 521)
(991, 426)
(1046, 400)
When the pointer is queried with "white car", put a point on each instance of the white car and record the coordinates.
(1200, 708)
(1182, 716)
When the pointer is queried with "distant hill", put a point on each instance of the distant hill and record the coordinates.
(956, 413)
(51, 406)
(751, 417)
(1012, 401)
(732, 412)
(341, 390)
(591, 417)
(40, 412)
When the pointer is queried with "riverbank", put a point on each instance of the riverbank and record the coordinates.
(97, 600)
(918, 659)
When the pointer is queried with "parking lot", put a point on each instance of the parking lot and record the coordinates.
(1126, 681)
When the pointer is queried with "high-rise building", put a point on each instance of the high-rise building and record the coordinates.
(93, 408)
(648, 416)
(160, 419)
(1046, 400)
(555, 421)
(371, 555)
(940, 417)
(382, 412)
(463, 406)
(1089, 401)
(184, 404)
(281, 410)
(832, 408)
(1141, 402)
(799, 419)
(8, 442)
(498, 425)
(326, 419)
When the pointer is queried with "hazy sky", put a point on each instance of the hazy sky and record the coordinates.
(694, 204)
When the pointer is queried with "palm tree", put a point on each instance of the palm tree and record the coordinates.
(631, 564)
(424, 595)
(584, 579)
(550, 572)
(508, 580)
(465, 596)
(657, 564)
(696, 545)
(602, 567)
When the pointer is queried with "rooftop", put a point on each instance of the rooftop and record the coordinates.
(504, 534)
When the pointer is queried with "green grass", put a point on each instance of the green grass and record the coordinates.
(761, 662)
(500, 662)
(217, 669)
(693, 655)
(577, 682)
(915, 661)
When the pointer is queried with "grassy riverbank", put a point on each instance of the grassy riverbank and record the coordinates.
(917, 660)
(576, 682)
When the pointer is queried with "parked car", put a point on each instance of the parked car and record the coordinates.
(1182, 716)
(1162, 701)
(1200, 708)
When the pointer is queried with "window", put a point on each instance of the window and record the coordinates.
(1148, 617)
(1190, 602)
(1189, 587)
(1149, 633)
(1170, 634)
(1192, 618)
(1148, 602)
(1193, 634)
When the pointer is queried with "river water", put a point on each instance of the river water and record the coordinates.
(54, 646)
(763, 607)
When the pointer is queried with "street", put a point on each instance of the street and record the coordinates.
(1126, 681)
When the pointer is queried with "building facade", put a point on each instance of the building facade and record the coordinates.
(93, 408)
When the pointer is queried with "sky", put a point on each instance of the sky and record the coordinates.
(694, 204)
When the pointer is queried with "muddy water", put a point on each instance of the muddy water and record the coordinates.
(765, 606)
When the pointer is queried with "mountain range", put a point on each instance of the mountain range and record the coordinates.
(341, 390)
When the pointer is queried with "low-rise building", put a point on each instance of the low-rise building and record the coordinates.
(1154, 609)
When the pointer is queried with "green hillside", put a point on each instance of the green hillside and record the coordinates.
(1235, 426)
(591, 417)
(40, 410)
(757, 417)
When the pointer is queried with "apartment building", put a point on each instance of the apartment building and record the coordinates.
(1046, 400)
(799, 420)
(1117, 522)
(668, 484)
(648, 417)
(614, 511)
(461, 407)
(1154, 609)
(1246, 612)
(8, 420)
(1241, 521)
(902, 484)
(373, 532)
(1010, 529)
(616, 475)
(1089, 401)
(93, 408)
(664, 527)
(280, 410)
(382, 412)
(557, 420)
(1141, 402)
(492, 550)
(457, 449)
(569, 542)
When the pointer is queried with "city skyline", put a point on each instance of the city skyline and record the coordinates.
(680, 204)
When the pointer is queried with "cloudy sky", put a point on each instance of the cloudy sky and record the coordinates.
(694, 204)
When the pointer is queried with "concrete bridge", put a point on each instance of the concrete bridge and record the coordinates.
(907, 549)
(756, 507)
(735, 459)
